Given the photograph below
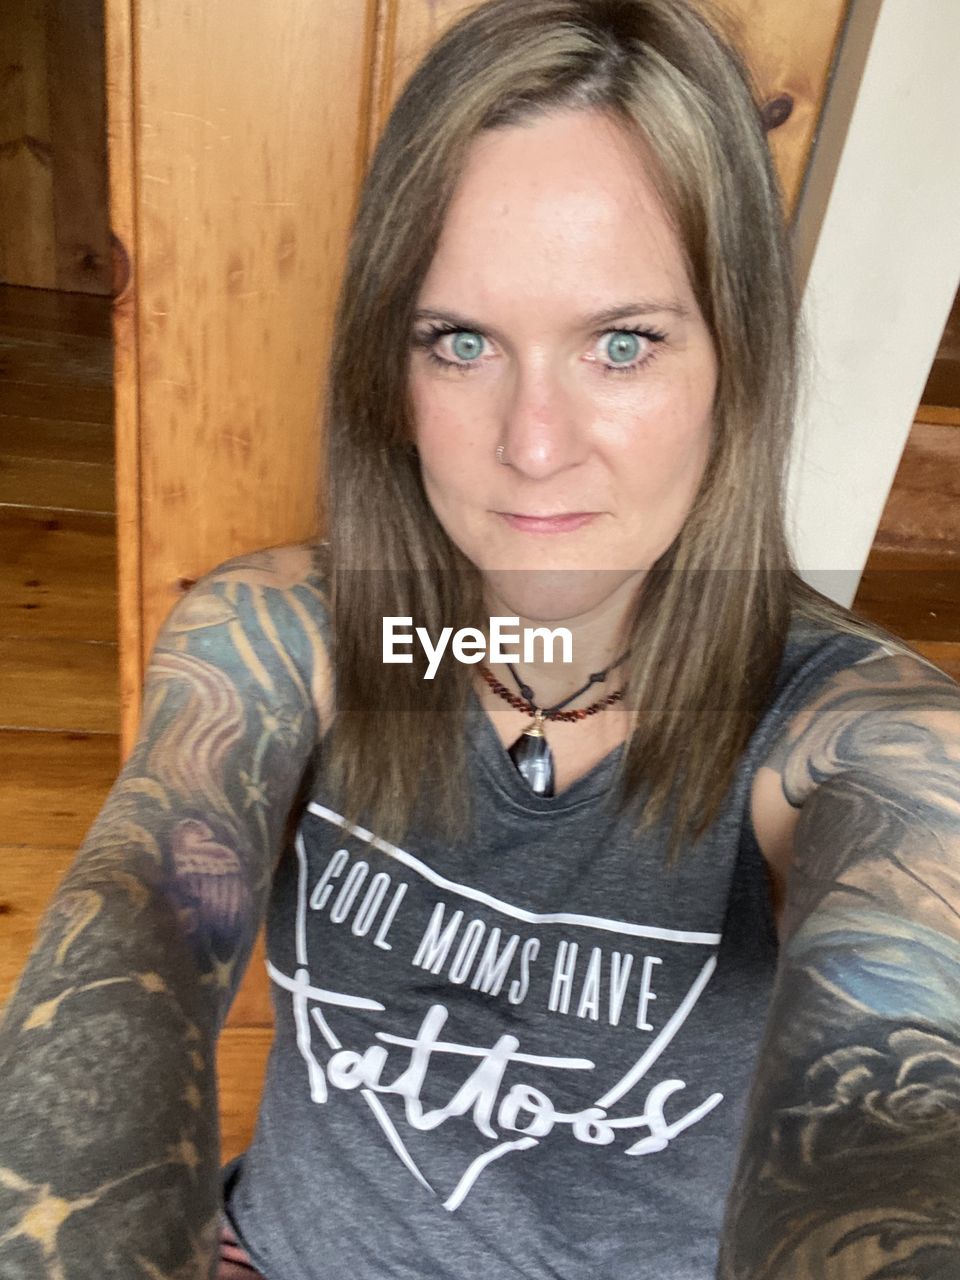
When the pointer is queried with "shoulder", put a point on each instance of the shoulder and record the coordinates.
(265, 613)
(889, 713)
(878, 714)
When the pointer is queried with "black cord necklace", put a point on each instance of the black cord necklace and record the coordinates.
(531, 752)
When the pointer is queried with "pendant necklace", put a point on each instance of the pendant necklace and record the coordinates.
(531, 752)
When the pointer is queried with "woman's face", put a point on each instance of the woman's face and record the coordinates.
(557, 322)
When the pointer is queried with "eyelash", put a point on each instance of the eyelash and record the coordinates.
(429, 337)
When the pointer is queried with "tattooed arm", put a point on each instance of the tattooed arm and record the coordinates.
(850, 1168)
(109, 1141)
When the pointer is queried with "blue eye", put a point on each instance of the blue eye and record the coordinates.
(623, 347)
(467, 346)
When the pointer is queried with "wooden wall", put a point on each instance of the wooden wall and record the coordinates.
(789, 48)
(239, 132)
(54, 230)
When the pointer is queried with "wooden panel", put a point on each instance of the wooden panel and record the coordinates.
(788, 46)
(54, 233)
(58, 359)
(251, 123)
(121, 132)
(46, 440)
(27, 250)
(57, 485)
(241, 1068)
(78, 141)
(57, 578)
(62, 402)
(58, 684)
(922, 512)
(48, 311)
(53, 785)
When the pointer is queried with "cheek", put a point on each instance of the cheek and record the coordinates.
(665, 442)
(447, 456)
(447, 430)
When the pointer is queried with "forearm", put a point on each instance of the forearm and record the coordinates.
(850, 1157)
(109, 1143)
(109, 1149)
(849, 1165)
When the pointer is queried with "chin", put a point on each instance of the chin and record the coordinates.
(554, 594)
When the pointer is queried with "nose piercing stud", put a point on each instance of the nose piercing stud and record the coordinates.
(500, 452)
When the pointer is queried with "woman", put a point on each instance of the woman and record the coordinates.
(522, 957)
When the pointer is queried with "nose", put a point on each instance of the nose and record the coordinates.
(542, 429)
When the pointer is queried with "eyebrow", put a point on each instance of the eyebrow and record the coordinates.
(647, 306)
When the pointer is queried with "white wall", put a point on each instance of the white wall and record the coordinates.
(877, 240)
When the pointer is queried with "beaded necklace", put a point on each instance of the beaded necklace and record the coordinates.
(531, 752)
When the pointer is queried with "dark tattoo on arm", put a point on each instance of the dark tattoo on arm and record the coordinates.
(109, 1145)
(850, 1167)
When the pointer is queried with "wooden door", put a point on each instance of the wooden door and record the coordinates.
(239, 132)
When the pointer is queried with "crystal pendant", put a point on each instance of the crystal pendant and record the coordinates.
(533, 758)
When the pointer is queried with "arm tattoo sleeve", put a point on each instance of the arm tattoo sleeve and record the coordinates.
(850, 1167)
(109, 1143)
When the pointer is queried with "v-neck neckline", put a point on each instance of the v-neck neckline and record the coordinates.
(485, 743)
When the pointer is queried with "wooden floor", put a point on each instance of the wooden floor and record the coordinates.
(59, 740)
(58, 605)
(911, 583)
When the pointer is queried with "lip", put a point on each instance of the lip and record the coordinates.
(565, 522)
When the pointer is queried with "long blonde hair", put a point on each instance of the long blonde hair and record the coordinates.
(706, 642)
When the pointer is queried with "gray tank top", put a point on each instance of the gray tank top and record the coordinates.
(525, 1055)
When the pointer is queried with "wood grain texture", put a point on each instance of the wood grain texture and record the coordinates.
(121, 133)
(52, 786)
(250, 121)
(60, 402)
(251, 1006)
(27, 243)
(912, 594)
(50, 441)
(54, 233)
(57, 575)
(59, 684)
(78, 144)
(58, 485)
(241, 1068)
(55, 371)
(789, 49)
(942, 415)
(47, 311)
(56, 360)
(922, 512)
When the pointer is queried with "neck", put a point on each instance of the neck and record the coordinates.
(599, 637)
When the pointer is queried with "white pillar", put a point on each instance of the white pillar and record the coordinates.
(877, 240)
